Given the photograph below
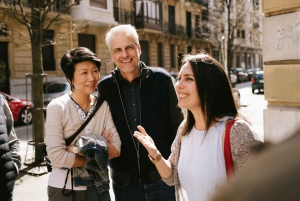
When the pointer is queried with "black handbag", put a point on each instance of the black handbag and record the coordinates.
(71, 138)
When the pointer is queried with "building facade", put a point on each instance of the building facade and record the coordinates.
(281, 52)
(167, 30)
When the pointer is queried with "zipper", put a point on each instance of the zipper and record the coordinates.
(137, 148)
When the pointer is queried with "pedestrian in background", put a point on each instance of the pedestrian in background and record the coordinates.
(196, 165)
(138, 95)
(10, 159)
(65, 115)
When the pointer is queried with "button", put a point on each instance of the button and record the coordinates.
(134, 119)
(133, 104)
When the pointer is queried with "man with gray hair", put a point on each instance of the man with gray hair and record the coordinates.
(139, 95)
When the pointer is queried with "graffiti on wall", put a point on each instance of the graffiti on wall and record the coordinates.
(281, 37)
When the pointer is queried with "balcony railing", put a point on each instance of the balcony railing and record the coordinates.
(148, 22)
(60, 5)
(201, 2)
(123, 16)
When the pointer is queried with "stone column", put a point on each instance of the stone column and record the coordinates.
(281, 52)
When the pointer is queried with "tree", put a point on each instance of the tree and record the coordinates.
(37, 22)
(234, 22)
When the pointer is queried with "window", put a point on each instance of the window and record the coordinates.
(172, 20)
(48, 51)
(145, 52)
(238, 60)
(88, 41)
(222, 28)
(189, 50)
(3, 29)
(237, 33)
(99, 3)
(205, 15)
(159, 55)
(216, 55)
(149, 11)
(243, 34)
(188, 24)
(197, 26)
(206, 50)
(172, 56)
(179, 58)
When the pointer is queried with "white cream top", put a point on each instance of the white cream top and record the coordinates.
(201, 166)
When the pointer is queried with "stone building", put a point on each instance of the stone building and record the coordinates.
(167, 29)
(281, 52)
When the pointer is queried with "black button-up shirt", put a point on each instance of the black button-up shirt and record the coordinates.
(131, 96)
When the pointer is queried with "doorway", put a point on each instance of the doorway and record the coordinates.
(4, 69)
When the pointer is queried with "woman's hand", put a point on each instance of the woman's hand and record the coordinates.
(108, 135)
(147, 141)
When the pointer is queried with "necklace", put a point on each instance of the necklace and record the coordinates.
(89, 103)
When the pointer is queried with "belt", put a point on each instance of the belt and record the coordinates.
(130, 178)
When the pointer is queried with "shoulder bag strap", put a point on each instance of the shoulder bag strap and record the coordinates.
(227, 149)
(70, 139)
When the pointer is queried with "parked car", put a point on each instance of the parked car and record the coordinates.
(242, 76)
(237, 97)
(251, 72)
(55, 89)
(258, 81)
(233, 78)
(20, 109)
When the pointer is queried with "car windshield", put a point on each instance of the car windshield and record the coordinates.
(55, 87)
(259, 76)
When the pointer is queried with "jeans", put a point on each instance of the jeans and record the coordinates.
(155, 191)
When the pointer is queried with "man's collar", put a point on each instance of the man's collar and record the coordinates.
(143, 74)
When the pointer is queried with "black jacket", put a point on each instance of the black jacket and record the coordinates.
(8, 170)
(160, 117)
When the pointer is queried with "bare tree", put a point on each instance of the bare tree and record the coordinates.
(37, 20)
(237, 21)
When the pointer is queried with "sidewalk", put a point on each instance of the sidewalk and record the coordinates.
(31, 187)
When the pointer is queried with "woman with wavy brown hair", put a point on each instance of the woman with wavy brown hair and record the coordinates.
(196, 165)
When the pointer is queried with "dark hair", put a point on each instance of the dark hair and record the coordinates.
(75, 56)
(214, 90)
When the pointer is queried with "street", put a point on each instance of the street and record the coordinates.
(252, 106)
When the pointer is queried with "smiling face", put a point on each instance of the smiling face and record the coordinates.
(125, 53)
(86, 77)
(186, 89)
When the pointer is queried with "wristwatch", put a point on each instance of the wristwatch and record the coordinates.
(75, 150)
(158, 157)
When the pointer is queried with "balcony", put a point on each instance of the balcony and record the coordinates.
(177, 30)
(95, 15)
(123, 16)
(58, 6)
(144, 22)
(201, 2)
(148, 15)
